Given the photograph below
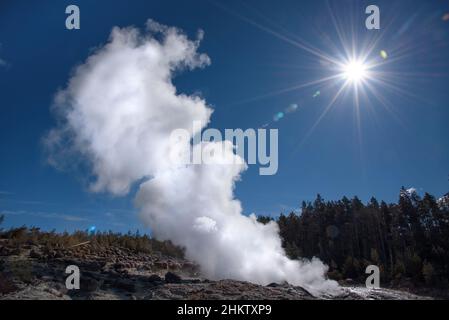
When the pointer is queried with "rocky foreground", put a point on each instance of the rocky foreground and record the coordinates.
(35, 272)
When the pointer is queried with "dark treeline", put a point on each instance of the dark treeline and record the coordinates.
(408, 240)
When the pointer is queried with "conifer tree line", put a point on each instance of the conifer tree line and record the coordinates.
(408, 240)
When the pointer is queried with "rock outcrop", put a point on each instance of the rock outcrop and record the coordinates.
(35, 272)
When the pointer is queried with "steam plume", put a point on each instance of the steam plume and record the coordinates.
(118, 111)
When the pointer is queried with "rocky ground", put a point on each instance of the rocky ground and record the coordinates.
(34, 272)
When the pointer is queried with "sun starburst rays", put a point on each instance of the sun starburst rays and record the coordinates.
(346, 61)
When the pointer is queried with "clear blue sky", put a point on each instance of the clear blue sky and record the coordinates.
(253, 52)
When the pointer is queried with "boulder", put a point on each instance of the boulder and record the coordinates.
(273, 285)
(171, 277)
(89, 284)
(124, 285)
(161, 264)
(155, 278)
(35, 254)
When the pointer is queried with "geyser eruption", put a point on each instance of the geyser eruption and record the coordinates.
(118, 112)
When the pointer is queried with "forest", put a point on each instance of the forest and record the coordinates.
(407, 240)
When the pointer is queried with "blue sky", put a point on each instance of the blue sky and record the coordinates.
(252, 48)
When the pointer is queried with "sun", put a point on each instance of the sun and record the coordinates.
(355, 71)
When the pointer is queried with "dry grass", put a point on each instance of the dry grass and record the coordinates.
(53, 240)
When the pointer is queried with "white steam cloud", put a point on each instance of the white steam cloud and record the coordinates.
(118, 111)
